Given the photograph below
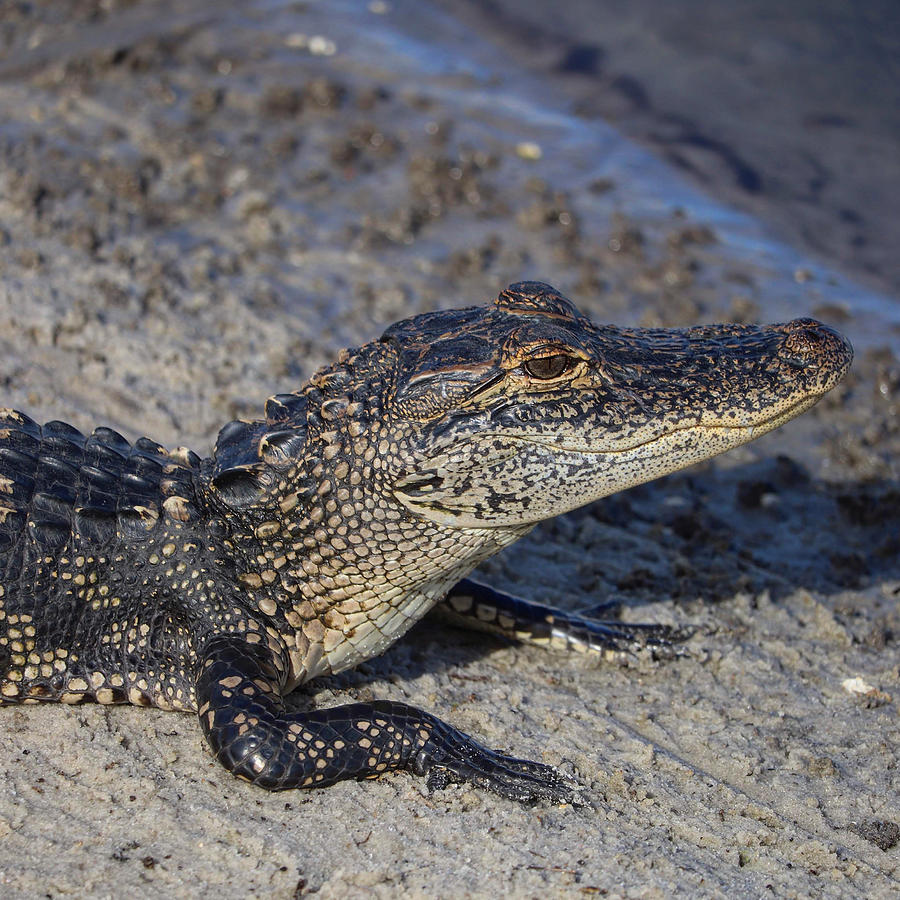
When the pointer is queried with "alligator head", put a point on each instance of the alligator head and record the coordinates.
(368, 493)
(526, 409)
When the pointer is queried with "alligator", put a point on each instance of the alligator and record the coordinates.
(314, 538)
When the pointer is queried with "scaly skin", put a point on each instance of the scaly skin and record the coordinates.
(313, 539)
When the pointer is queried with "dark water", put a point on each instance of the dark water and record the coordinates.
(790, 111)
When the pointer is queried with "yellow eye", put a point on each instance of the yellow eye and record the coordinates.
(547, 367)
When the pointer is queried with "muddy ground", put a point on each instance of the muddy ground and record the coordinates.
(198, 210)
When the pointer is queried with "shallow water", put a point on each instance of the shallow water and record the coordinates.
(529, 92)
(496, 92)
(790, 111)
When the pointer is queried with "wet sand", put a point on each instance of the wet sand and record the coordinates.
(790, 111)
(197, 211)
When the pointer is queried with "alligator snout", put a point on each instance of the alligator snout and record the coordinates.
(820, 351)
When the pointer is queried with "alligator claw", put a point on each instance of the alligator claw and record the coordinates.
(521, 780)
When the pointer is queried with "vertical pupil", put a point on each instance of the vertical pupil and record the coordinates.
(547, 366)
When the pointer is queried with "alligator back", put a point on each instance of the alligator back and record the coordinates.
(59, 487)
(75, 513)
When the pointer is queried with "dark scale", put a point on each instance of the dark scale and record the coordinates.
(315, 538)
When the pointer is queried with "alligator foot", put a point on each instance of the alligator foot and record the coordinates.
(251, 733)
(476, 605)
(455, 757)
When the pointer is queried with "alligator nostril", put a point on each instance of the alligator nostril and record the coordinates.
(806, 344)
(816, 350)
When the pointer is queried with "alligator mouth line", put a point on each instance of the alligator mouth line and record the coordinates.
(748, 432)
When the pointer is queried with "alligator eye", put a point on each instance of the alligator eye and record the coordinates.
(547, 367)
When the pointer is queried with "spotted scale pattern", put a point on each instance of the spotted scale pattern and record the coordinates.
(314, 538)
(472, 604)
(245, 721)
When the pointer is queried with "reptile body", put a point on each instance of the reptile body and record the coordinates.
(313, 539)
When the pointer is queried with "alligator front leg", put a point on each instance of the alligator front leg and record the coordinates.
(475, 605)
(252, 734)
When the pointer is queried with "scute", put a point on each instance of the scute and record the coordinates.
(241, 486)
(108, 439)
(284, 408)
(245, 451)
(57, 484)
(237, 446)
